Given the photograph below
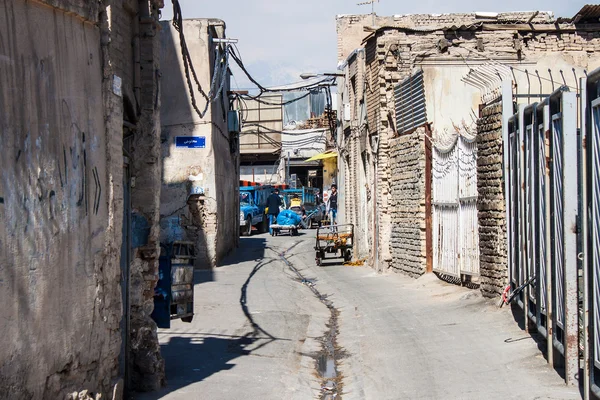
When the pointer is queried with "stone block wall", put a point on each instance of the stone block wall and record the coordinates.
(407, 203)
(491, 202)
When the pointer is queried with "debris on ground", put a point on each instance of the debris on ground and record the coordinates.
(357, 263)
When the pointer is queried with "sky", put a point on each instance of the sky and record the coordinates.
(280, 39)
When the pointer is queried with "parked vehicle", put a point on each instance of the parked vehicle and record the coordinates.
(253, 200)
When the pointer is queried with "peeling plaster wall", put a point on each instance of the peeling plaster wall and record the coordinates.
(211, 219)
(62, 197)
(59, 234)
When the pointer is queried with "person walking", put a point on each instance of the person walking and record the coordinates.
(332, 204)
(273, 203)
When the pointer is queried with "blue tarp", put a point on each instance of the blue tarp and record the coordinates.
(288, 217)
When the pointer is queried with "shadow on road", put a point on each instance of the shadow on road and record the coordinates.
(194, 356)
(251, 249)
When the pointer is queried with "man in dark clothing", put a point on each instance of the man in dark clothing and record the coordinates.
(273, 203)
(332, 204)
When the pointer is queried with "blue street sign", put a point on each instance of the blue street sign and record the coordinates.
(190, 142)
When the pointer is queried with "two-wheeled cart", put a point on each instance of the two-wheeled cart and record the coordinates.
(277, 229)
(336, 240)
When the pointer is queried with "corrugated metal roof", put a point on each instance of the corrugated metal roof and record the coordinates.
(589, 12)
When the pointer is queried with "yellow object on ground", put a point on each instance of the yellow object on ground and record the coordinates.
(356, 263)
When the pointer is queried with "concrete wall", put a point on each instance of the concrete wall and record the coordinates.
(350, 31)
(491, 202)
(212, 219)
(61, 260)
(57, 253)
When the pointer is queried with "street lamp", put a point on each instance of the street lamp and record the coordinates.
(308, 75)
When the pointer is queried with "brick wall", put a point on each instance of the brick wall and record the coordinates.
(491, 202)
(407, 203)
(431, 41)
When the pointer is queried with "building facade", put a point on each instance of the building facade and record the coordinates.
(200, 156)
(418, 116)
(80, 132)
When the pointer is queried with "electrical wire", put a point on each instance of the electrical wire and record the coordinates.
(290, 132)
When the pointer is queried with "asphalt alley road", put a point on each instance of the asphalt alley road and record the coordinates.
(258, 332)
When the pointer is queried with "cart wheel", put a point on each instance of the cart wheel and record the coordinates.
(348, 255)
(318, 261)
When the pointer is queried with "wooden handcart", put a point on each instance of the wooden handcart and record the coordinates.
(336, 240)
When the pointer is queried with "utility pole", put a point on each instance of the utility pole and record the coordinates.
(287, 174)
(372, 3)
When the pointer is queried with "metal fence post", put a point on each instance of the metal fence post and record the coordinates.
(570, 169)
(548, 241)
(507, 112)
(522, 170)
(584, 233)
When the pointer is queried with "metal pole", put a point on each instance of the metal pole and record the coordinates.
(287, 174)
(253, 180)
(523, 259)
(548, 239)
(571, 294)
(584, 232)
(507, 111)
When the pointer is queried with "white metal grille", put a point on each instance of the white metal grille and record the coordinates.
(409, 96)
(557, 168)
(455, 215)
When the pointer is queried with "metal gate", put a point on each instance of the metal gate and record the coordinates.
(541, 140)
(590, 172)
(455, 216)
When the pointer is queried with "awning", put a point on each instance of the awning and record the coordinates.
(322, 156)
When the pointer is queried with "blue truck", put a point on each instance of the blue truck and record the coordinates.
(253, 201)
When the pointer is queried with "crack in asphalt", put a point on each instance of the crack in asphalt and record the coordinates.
(327, 359)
